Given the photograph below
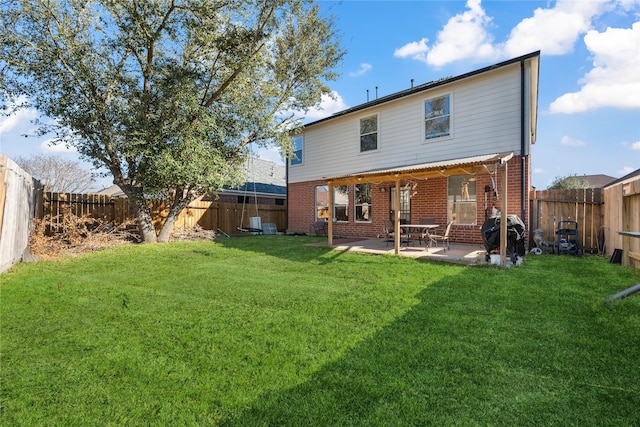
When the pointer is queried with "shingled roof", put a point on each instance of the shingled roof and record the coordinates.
(597, 181)
(267, 177)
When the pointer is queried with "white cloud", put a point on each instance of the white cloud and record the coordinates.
(626, 170)
(414, 50)
(328, 105)
(538, 170)
(48, 147)
(364, 67)
(555, 30)
(635, 145)
(614, 80)
(19, 120)
(572, 142)
(464, 36)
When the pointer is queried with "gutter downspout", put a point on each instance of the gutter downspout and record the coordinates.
(522, 142)
(286, 195)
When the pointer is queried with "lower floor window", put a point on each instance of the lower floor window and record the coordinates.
(341, 203)
(362, 202)
(461, 199)
(322, 202)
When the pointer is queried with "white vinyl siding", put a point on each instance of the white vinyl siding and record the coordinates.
(486, 120)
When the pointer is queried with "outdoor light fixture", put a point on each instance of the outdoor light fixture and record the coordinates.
(382, 189)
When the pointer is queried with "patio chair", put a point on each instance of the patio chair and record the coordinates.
(389, 233)
(444, 238)
(425, 234)
(319, 228)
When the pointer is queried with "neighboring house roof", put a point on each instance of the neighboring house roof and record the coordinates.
(599, 180)
(424, 87)
(261, 176)
(113, 191)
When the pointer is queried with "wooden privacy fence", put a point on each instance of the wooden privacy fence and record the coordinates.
(17, 208)
(210, 215)
(585, 206)
(54, 206)
(227, 217)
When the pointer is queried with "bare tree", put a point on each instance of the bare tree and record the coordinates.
(57, 173)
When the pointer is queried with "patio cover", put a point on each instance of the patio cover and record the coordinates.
(487, 163)
(462, 166)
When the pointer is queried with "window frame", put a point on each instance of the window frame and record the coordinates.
(294, 160)
(321, 205)
(377, 133)
(337, 205)
(454, 190)
(449, 115)
(368, 203)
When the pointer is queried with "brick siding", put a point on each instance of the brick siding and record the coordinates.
(430, 200)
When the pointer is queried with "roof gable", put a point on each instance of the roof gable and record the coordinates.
(424, 87)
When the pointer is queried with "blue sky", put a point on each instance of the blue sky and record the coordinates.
(589, 96)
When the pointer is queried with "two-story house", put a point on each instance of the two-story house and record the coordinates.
(439, 150)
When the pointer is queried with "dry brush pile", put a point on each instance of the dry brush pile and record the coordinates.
(69, 234)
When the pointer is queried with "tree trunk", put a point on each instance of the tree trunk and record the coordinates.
(177, 207)
(144, 221)
(169, 223)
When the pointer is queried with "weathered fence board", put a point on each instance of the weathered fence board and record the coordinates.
(17, 207)
(209, 215)
(585, 206)
(622, 202)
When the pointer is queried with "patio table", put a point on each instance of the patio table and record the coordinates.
(421, 229)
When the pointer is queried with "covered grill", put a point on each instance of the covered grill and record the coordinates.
(515, 236)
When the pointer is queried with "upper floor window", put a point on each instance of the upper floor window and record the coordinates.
(296, 148)
(369, 133)
(362, 202)
(437, 118)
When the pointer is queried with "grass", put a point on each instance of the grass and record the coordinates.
(266, 331)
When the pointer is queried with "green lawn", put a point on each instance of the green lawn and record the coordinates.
(266, 331)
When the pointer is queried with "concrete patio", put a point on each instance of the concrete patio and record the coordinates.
(457, 252)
